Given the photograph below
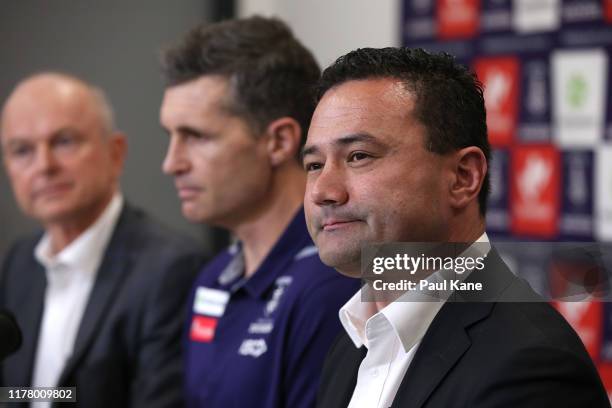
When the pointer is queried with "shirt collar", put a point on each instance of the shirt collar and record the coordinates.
(409, 319)
(86, 251)
(293, 240)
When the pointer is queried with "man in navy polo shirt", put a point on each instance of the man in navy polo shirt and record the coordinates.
(264, 313)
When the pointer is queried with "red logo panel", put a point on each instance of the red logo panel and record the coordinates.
(586, 318)
(500, 78)
(202, 329)
(607, 10)
(457, 18)
(535, 190)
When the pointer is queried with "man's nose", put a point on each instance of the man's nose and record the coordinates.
(45, 160)
(175, 161)
(328, 188)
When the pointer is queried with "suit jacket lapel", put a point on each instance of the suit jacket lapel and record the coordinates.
(447, 339)
(442, 346)
(111, 273)
(33, 295)
(344, 382)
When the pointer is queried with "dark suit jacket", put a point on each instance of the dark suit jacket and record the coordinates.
(484, 352)
(127, 350)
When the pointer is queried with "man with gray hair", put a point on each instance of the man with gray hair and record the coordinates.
(99, 295)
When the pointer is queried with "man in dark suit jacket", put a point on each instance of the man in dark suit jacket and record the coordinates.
(397, 151)
(100, 296)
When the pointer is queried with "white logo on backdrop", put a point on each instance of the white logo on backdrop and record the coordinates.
(579, 88)
(534, 177)
(497, 88)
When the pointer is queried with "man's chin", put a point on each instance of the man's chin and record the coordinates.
(346, 265)
(53, 215)
(194, 217)
(192, 213)
(349, 272)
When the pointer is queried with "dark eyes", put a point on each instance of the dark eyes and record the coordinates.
(358, 156)
(352, 159)
(312, 166)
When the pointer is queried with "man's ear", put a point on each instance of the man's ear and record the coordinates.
(284, 137)
(118, 150)
(470, 168)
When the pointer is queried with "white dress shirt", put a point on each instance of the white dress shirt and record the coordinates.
(392, 337)
(70, 277)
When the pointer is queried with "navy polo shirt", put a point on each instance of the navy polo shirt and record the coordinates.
(261, 342)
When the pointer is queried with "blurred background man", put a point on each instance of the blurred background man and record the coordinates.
(264, 312)
(100, 294)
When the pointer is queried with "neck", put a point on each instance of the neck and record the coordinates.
(259, 234)
(63, 232)
(460, 231)
(466, 230)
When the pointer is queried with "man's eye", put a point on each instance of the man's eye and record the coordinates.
(357, 156)
(65, 141)
(20, 151)
(312, 166)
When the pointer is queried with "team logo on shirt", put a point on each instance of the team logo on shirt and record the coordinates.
(261, 326)
(210, 302)
(281, 284)
(253, 347)
(203, 329)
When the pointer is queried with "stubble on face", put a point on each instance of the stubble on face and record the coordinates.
(218, 163)
(367, 164)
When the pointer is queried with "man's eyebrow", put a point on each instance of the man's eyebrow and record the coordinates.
(306, 150)
(355, 138)
(344, 141)
(184, 130)
(188, 130)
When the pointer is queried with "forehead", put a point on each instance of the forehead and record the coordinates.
(203, 96)
(379, 107)
(38, 112)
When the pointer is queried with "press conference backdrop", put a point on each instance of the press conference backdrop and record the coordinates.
(545, 67)
(114, 44)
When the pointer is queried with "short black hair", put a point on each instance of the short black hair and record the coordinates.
(271, 74)
(449, 97)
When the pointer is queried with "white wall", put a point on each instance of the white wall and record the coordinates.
(330, 28)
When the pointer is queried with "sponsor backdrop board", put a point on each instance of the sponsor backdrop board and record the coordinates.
(545, 67)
